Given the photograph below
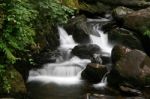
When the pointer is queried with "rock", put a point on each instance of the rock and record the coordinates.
(127, 3)
(129, 91)
(18, 88)
(96, 9)
(138, 20)
(78, 28)
(118, 52)
(96, 58)
(134, 66)
(46, 57)
(124, 37)
(120, 12)
(86, 50)
(94, 72)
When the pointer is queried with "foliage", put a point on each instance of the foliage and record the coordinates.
(147, 32)
(17, 33)
(74, 4)
(53, 10)
(19, 20)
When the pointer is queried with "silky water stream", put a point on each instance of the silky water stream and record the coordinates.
(62, 80)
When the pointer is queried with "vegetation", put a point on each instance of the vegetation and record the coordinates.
(19, 21)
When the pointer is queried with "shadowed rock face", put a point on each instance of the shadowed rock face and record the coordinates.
(118, 52)
(128, 3)
(78, 28)
(86, 50)
(94, 72)
(124, 37)
(135, 66)
(138, 20)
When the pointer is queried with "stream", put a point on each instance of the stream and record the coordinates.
(62, 80)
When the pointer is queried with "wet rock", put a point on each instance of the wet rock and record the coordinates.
(127, 3)
(46, 57)
(118, 52)
(105, 60)
(124, 37)
(78, 28)
(86, 50)
(138, 20)
(94, 72)
(96, 58)
(120, 12)
(93, 8)
(129, 91)
(134, 66)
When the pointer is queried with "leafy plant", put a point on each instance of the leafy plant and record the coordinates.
(17, 33)
(147, 32)
(20, 20)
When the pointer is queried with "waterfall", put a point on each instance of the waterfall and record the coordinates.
(62, 79)
(68, 66)
(66, 41)
(101, 41)
(66, 69)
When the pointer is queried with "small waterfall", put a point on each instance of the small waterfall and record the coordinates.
(101, 41)
(62, 79)
(66, 41)
(103, 82)
(66, 67)
(66, 45)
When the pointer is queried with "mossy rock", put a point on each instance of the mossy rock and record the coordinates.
(15, 87)
(125, 38)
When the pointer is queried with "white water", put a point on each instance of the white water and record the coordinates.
(101, 41)
(67, 69)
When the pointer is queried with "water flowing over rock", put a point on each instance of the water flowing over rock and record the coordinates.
(78, 28)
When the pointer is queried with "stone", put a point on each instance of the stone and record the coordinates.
(86, 50)
(94, 72)
(138, 20)
(127, 3)
(134, 66)
(118, 52)
(120, 12)
(78, 28)
(124, 37)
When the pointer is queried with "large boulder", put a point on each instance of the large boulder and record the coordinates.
(78, 28)
(120, 12)
(135, 68)
(127, 3)
(138, 20)
(96, 8)
(86, 50)
(124, 37)
(94, 72)
(118, 52)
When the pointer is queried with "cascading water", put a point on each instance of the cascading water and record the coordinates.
(101, 41)
(65, 68)
(61, 80)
